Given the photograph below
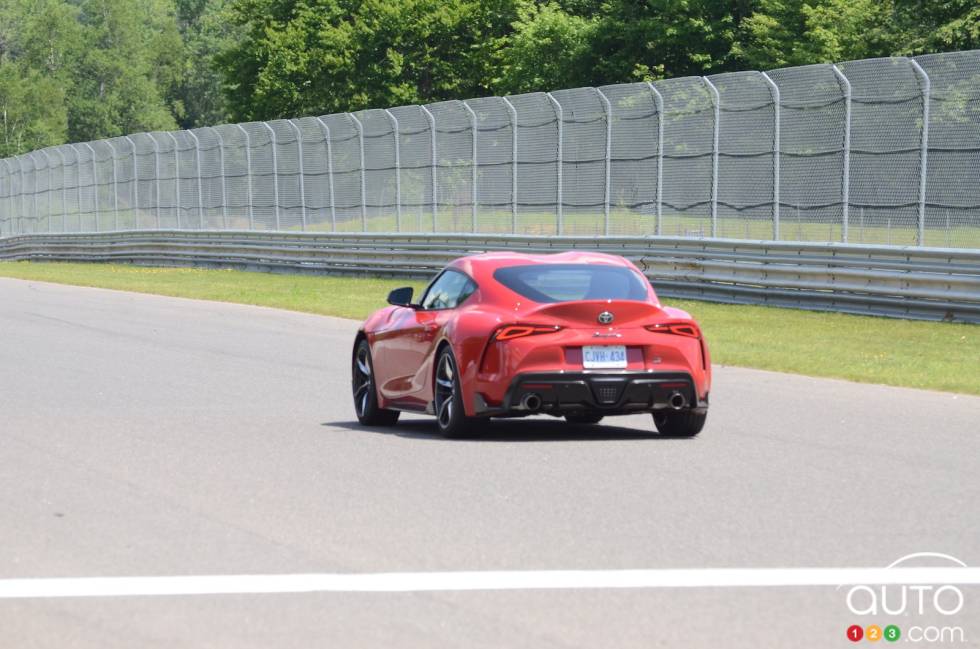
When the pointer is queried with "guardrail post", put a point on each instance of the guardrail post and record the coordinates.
(513, 164)
(924, 148)
(435, 166)
(559, 116)
(606, 196)
(658, 101)
(302, 180)
(398, 171)
(136, 184)
(333, 208)
(360, 141)
(775, 153)
(115, 187)
(200, 191)
(474, 166)
(845, 85)
(275, 172)
(714, 155)
(248, 170)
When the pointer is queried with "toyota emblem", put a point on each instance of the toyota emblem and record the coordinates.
(605, 317)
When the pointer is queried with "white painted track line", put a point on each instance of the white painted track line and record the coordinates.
(480, 580)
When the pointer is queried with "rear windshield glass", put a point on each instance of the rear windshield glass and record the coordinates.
(568, 282)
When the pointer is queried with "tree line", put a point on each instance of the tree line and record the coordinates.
(76, 70)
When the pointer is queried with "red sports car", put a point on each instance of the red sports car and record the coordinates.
(579, 335)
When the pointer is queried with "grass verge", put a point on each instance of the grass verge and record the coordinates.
(932, 355)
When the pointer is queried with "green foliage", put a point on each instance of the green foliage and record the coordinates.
(653, 39)
(332, 55)
(130, 53)
(548, 48)
(32, 110)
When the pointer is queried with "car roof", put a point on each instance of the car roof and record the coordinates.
(482, 265)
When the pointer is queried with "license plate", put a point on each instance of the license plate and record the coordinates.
(603, 356)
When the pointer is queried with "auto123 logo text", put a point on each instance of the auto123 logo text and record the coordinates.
(908, 602)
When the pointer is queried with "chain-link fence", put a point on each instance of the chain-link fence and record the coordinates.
(874, 151)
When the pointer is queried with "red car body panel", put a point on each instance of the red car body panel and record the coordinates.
(404, 341)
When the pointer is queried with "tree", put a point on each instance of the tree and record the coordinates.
(130, 53)
(652, 39)
(548, 49)
(32, 110)
(325, 56)
(196, 99)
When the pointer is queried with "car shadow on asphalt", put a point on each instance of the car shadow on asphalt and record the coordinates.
(512, 430)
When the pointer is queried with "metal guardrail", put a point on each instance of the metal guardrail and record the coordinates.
(906, 282)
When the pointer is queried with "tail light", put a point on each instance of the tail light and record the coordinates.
(688, 329)
(510, 332)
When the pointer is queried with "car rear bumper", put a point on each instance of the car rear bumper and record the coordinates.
(608, 393)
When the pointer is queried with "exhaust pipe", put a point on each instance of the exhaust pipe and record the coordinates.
(531, 402)
(677, 401)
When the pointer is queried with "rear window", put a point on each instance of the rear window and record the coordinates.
(569, 282)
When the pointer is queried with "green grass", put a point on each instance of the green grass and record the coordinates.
(932, 355)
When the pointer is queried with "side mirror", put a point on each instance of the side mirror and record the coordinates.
(401, 296)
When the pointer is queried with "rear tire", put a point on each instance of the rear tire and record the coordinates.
(448, 400)
(366, 392)
(679, 423)
(583, 418)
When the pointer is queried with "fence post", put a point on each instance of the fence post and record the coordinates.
(606, 196)
(34, 174)
(398, 171)
(156, 175)
(47, 159)
(275, 171)
(559, 115)
(513, 164)
(658, 101)
(64, 189)
(200, 191)
(714, 155)
(360, 141)
(221, 164)
(115, 187)
(6, 197)
(474, 166)
(136, 184)
(21, 213)
(78, 186)
(333, 204)
(95, 185)
(248, 171)
(845, 85)
(435, 166)
(176, 174)
(775, 153)
(924, 145)
(302, 172)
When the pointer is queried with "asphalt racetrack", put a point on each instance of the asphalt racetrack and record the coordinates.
(150, 436)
